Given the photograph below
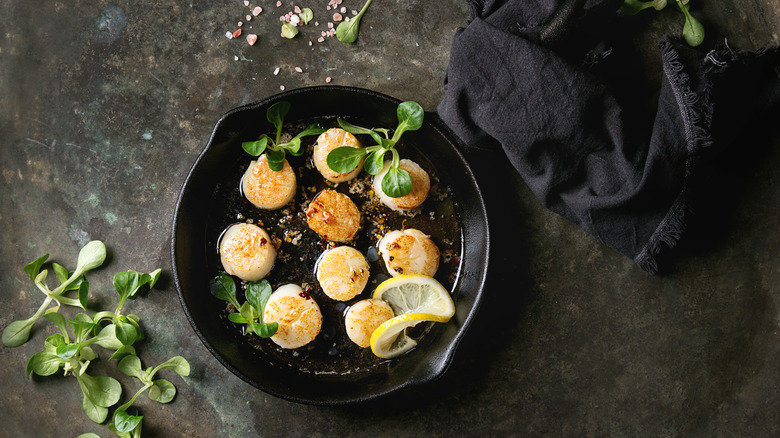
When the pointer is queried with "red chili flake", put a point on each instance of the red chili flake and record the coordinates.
(306, 292)
(263, 241)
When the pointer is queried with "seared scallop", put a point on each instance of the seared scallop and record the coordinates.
(342, 273)
(326, 142)
(246, 252)
(409, 252)
(268, 189)
(364, 317)
(297, 314)
(421, 184)
(333, 216)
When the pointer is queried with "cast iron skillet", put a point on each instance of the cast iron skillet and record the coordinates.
(190, 251)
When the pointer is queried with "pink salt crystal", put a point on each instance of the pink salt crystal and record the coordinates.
(343, 10)
(278, 4)
(337, 17)
(251, 39)
(328, 79)
(297, 10)
(257, 10)
(237, 33)
(321, 39)
(299, 70)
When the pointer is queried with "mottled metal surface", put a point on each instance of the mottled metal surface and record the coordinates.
(105, 107)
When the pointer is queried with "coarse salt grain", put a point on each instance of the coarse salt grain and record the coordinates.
(295, 20)
(330, 25)
(240, 23)
(276, 71)
(248, 17)
(297, 10)
(328, 79)
(229, 35)
(278, 4)
(354, 12)
(337, 17)
(251, 39)
(321, 39)
(343, 10)
(281, 87)
(246, 2)
(299, 70)
(257, 10)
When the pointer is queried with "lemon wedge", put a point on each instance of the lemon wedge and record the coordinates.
(389, 339)
(416, 294)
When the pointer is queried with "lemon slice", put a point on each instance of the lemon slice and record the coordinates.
(389, 339)
(416, 294)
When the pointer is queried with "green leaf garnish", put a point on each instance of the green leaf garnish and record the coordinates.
(347, 31)
(251, 311)
(272, 147)
(255, 148)
(396, 181)
(693, 31)
(345, 159)
(111, 330)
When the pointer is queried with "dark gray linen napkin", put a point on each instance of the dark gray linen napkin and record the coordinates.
(550, 80)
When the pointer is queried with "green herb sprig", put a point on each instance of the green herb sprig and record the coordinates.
(274, 148)
(71, 350)
(99, 392)
(693, 31)
(251, 312)
(396, 182)
(128, 423)
(126, 329)
(91, 256)
(347, 31)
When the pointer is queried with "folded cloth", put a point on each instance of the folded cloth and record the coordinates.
(553, 82)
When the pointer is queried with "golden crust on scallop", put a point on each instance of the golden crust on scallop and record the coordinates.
(333, 216)
(268, 189)
(297, 314)
(343, 273)
(245, 251)
(409, 252)
(326, 142)
(364, 317)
